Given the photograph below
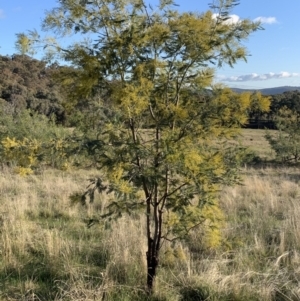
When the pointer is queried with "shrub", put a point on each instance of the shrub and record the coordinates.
(29, 139)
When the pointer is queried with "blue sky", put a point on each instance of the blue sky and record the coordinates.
(274, 60)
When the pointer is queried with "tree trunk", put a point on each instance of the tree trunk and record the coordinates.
(152, 263)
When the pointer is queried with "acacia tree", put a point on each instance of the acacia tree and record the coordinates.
(163, 148)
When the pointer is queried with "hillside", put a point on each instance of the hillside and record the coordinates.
(269, 91)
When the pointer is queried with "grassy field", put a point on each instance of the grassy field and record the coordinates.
(48, 253)
(255, 140)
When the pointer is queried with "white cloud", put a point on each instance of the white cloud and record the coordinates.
(258, 77)
(266, 20)
(232, 19)
(2, 13)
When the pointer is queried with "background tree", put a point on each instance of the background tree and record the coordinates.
(285, 113)
(289, 99)
(286, 141)
(26, 83)
(260, 106)
(163, 149)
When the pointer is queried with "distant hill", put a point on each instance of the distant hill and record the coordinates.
(269, 91)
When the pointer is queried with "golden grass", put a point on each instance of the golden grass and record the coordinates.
(48, 253)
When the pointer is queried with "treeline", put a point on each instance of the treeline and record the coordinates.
(288, 100)
(27, 83)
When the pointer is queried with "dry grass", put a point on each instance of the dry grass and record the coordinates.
(263, 226)
(48, 253)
